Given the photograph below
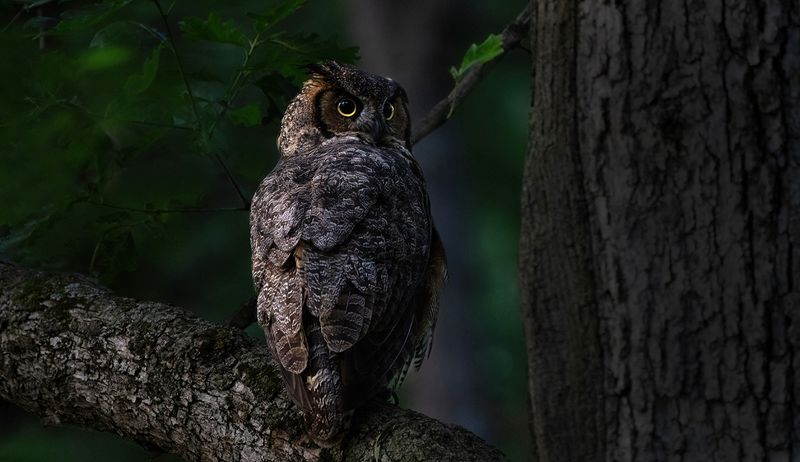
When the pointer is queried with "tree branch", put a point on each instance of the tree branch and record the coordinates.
(172, 47)
(167, 211)
(244, 316)
(512, 36)
(75, 353)
(232, 180)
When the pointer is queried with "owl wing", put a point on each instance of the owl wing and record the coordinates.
(275, 220)
(339, 247)
(374, 278)
(368, 232)
(427, 304)
(386, 352)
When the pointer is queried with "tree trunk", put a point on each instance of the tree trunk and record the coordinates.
(660, 249)
(557, 289)
(74, 353)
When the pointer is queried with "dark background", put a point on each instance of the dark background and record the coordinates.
(67, 143)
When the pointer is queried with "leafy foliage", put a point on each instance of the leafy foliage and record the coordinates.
(478, 54)
(74, 135)
(137, 84)
(215, 30)
(121, 119)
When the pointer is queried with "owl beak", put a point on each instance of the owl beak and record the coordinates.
(371, 123)
(376, 129)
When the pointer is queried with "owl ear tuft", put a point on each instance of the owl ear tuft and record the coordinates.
(322, 70)
(317, 72)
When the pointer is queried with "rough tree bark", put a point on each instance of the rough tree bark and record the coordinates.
(557, 289)
(660, 250)
(74, 353)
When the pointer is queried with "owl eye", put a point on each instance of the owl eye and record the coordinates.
(346, 107)
(388, 111)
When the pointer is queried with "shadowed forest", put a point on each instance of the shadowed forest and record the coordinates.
(131, 143)
(615, 183)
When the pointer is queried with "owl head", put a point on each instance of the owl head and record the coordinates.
(340, 100)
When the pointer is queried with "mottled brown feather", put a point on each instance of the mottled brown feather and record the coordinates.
(346, 261)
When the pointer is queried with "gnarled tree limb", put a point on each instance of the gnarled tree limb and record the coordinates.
(75, 353)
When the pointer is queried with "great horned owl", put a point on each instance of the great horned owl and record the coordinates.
(346, 260)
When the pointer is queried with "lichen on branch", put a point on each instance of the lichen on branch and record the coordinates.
(75, 353)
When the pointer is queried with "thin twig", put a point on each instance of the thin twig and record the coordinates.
(232, 180)
(16, 16)
(511, 36)
(171, 39)
(156, 124)
(41, 29)
(232, 92)
(204, 135)
(236, 85)
(244, 316)
(165, 211)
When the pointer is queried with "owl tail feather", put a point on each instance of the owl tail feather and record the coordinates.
(326, 420)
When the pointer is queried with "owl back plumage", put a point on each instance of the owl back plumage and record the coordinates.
(346, 261)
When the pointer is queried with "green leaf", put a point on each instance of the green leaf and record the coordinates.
(314, 47)
(289, 53)
(140, 82)
(125, 33)
(272, 17)
(87, 17)
(214, 29)
(479, 54)
(99, 58)
(247, 116)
